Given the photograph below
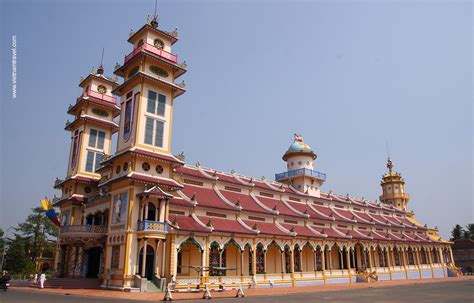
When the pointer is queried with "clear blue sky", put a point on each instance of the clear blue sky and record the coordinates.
(347, 75)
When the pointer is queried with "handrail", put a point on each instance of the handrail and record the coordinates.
(300, 172)
(148, 225)
(154, 50)
(83, 229)
(97, 95)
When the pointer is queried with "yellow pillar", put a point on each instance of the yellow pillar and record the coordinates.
(145, 244)
(323, 263)
(292, 265)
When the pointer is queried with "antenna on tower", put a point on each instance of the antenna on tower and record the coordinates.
(100, 70)
(156, 4)
(102, 57)
(389, 161)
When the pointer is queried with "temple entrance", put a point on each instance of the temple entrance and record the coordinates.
(93, 262)
(149, 271)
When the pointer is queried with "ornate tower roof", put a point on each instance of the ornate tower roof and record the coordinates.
(299, 148)
(393, 188)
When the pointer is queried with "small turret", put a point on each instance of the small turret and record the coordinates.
(300, 174)
(393, 188)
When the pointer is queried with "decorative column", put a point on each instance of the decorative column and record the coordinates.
(341, 252)
(292, 265)
(301, 260)
(157, 264)
(330, 261)
(163, 257)
(348, 260)
(145, 211)
(283, 264)
(145, 244)
(254, 260)
(370, 258)
(315, 260)
(451, 256)
(323, 259)
(265, 261)
(241, 262)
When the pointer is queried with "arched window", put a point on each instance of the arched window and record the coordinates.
(296, 257)
(151, 216)
(287, 259)
(215, 259)
(260, 259)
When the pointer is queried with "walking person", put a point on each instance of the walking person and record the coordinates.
(42, 279)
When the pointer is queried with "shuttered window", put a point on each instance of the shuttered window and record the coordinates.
(98, 159)
(151, 105)
(92, 138)
(93, 161)
(90, 161)
(154, 130)
(156, 103)
(159, 127)
(149, 131)
(161, 105)
(96, 139)
(100, 140)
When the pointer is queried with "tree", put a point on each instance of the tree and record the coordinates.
(16, 258)
(468, 232)
(2, 247)
(37, 229)
(457, 232)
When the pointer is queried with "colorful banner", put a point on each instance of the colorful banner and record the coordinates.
(49, 211)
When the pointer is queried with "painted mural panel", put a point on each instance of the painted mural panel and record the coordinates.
(120, 208)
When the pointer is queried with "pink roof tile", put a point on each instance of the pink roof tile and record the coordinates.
(225, 225)
(246, 201)
(266, 228)
(187, 223)
(205, 197)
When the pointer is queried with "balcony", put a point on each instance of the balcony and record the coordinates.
(83, 230)
(154, 50)
(97, 95)
(300, 172)
(153, 226)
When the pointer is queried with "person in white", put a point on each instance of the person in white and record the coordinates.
(35, 279)
(42, 279)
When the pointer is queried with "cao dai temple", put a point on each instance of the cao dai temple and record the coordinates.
(142, 216)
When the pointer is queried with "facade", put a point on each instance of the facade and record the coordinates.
(143, 214)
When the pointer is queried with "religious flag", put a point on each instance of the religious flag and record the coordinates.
(49, 211)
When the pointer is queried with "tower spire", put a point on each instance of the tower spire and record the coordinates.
(100, 70)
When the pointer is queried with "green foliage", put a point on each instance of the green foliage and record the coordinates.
(457, 232)
(33, 238)
(37, 229)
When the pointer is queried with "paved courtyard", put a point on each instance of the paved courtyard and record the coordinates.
(455, 291)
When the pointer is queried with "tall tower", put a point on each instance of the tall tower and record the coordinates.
(91, 139)
(139, 176)
(300, 174)
(393, 189)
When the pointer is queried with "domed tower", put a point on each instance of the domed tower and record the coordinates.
(300, 174)
(393, 189)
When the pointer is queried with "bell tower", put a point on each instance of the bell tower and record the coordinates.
(393, 188)
(300, 173)
(93, 125)
(149, 89)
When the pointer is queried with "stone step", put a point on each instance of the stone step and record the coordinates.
(69, 283)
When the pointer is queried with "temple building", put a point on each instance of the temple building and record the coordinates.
(140, 217)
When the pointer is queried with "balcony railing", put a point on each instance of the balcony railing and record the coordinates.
(152, 226)
(300, 172)
(97, 95)
(154, 50)
(86, 229)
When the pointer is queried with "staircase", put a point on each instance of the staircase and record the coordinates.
(69, 283)
(367, 277)
(151, 287)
